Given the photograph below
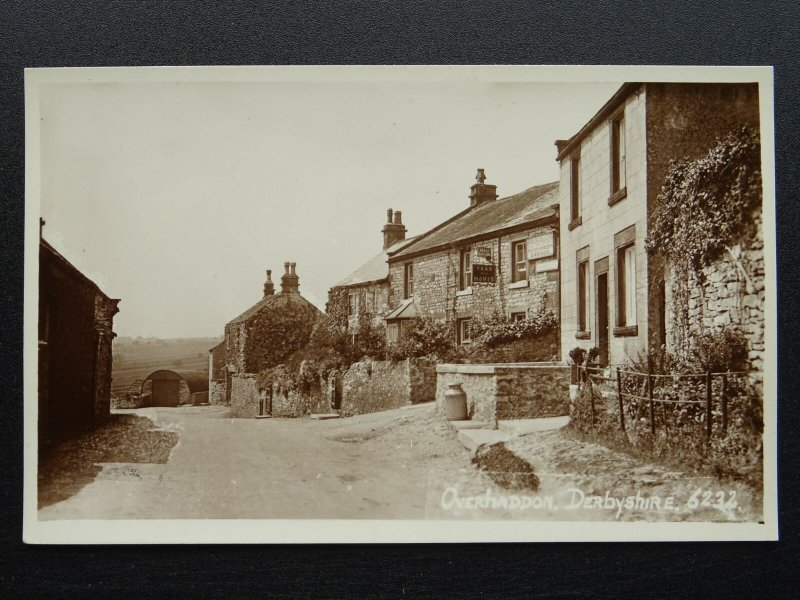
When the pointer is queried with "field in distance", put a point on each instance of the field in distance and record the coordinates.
(136, 358)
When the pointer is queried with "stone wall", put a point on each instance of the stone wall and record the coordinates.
(216, 392)
(684, 121)
(245, 396)
(383, 385)
(200, 398)
(542, 348)
(436, 276)
(511, 391)
(75, 332)
(730, 293)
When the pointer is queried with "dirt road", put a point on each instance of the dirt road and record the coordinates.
(373, 466)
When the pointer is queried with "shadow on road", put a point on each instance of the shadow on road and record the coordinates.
(67, 467)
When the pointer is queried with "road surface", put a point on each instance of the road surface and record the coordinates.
(372, 466)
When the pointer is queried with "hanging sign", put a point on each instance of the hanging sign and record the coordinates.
(483, 273)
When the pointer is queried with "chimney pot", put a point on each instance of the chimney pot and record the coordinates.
(290, 282)
(480, 191)
(269, 287)
(394, 230)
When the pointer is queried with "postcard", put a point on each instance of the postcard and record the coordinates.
(399, 304)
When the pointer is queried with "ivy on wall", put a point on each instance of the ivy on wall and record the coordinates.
(705, 207)
(275, 334)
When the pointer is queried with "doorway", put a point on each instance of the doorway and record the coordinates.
(602, 317)
(166, 392)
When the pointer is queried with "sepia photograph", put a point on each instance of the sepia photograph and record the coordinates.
(387, 304)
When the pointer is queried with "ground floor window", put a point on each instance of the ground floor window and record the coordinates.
(518, 316)
(626, 286)
(463, 331)
(583, 296)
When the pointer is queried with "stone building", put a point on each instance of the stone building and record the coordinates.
(498, 255)
(368, 286)
(266, 334)
(75, 336)
(612, 170)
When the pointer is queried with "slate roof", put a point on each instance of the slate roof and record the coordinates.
(274, 300)
(535, 203)
(376, 268)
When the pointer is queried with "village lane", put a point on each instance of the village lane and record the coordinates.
(363, 467)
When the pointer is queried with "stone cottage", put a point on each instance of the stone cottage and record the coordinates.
(498, 255)
(613, 294)
(368, 286)
(264, 335)
(75, 336)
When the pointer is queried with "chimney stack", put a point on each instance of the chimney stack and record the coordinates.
(269, 287)
(394, 230)
(480, 192)
(290, 282)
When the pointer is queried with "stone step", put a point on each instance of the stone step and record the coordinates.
(459, 425)
(263, 416)
(475, 438)
(518, 427)
(325, 416)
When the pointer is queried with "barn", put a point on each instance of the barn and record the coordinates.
(173, 388)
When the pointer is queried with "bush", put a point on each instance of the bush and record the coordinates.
(424, 337)
(500, 329)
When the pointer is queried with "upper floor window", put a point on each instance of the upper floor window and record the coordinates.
(465, 269)
(352, 307)
(519, 261)
(574, 191)
(408, 280)
(369, 302)
(618, 154)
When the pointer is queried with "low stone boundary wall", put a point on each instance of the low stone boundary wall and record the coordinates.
(366, 387)
(130, 400)
(200, 398)
(216, 392)
(507, 391)
(245, 396)
(369, 387)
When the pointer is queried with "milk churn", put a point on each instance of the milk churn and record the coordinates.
(455, 403)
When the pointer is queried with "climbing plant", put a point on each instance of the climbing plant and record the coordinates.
(705, 205)
(704, 208)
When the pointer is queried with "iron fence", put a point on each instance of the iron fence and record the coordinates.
(704, 398)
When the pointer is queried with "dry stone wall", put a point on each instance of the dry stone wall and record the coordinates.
(383, 385)
(216, 392)
(245, 396)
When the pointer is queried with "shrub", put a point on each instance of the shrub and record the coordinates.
(500, 329)
(577, 355)
(424, 337)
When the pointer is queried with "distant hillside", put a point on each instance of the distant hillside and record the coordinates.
(136, 358)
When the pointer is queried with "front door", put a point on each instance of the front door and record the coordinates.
(166, 392)
(602, 317)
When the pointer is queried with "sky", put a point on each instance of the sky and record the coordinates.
(176, 196)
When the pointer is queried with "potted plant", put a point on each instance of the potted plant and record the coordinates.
(577, 355)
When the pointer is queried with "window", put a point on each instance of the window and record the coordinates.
(519, 261)
(352, 308)
(465, 269)
(369, 302)
(617, 155)
(518, 316)
(583, 296)
(408, 280)
(463, 331)
(575, 192)
(626, 286)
